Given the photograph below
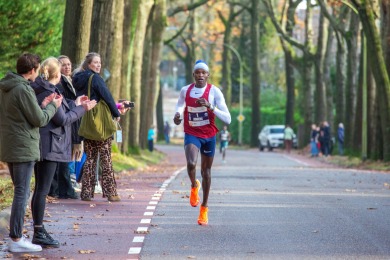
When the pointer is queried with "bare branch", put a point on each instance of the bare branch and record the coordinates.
(186, 7)
(278, 28)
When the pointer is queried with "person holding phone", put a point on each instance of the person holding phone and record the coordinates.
(200, 103)
(20, 119)
(91, 66)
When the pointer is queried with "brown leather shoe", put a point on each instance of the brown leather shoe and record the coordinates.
(114, 198)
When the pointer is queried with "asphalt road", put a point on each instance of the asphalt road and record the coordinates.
(263, 205)
(269, 205)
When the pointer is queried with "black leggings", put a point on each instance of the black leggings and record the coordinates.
(44, 172)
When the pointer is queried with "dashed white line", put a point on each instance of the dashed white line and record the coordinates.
(134, 250)
(145, 221)
(138, 239)
(155, 198)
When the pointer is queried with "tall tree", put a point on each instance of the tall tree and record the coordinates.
(226, 81)
(129, 28)
(76, 29)
(19, 33)
(100, 40)
(367, 14)
(136, 69)
(255, 72)
(153, 86)
(115, 57)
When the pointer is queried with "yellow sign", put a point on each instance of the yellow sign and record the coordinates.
(241, 118)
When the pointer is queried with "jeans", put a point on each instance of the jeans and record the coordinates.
(314, 148)
(341, 148)
(44, 172)
(21, 177)
(150, 145)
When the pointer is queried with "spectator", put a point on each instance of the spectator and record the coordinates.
(99, 91)
(340, 139)
(288, 138)
(326, 138)
(62, 186)
(20, 119)
(55, 144)
(167, 132)
(314, 141)
(151, 134)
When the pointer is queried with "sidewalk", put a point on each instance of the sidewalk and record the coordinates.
(100, 229)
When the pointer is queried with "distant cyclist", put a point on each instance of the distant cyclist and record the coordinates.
(224, 137)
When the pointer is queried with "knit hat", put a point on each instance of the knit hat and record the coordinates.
(200, 64)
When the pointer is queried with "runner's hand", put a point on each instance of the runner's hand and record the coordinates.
(176, 119)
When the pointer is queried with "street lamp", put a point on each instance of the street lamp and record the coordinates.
(240, 117)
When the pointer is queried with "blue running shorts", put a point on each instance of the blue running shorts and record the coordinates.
(205, 145)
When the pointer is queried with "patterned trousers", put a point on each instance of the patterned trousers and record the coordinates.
(93, 149)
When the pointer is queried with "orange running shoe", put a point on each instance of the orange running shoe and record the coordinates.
(194, 197)
(203, 218)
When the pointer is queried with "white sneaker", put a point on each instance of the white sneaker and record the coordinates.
(77, 187)
(23, 245)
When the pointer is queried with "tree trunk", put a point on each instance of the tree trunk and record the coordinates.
(320, 87)
(378, 66)
(115, 57)
(340, 83)
(255, 73)
(159, 22)
(289, 66)
(100, 40)
(327, 77)
(76, 30)
(136, 72)
(129, 27)
(145, 122)
(351, 84)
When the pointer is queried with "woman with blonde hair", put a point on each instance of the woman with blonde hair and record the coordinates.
(56, 145)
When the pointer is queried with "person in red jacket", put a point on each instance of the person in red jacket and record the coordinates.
(198, 104)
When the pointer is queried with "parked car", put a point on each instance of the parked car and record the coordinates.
(272, 136)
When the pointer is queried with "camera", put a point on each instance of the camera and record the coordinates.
(130, 104)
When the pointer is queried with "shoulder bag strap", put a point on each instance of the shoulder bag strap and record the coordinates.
(89, 86)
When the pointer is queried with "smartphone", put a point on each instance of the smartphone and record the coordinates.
(130, 104)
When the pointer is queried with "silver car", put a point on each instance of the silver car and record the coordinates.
(272, 136)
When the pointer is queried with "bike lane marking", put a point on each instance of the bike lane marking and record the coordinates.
(137, 243)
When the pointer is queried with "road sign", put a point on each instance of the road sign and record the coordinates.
(241, 118)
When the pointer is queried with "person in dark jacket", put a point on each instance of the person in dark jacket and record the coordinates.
(20, 119)
(94, 149)
(56, 144)
(340, 138)
(61, 185)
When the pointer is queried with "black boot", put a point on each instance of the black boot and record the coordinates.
(41, 237)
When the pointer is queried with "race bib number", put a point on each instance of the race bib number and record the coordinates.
(198, 116)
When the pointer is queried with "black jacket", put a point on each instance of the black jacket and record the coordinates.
(99, 89)
(56, 136)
